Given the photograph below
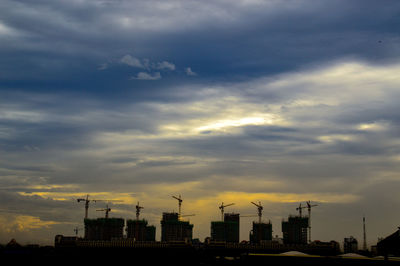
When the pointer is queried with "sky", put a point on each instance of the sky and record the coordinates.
(277, 101)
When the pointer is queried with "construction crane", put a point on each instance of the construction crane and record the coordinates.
(107, 210)
(259, 209)
(138, 208)
(309, 206)
(87, 201)
(300, 208)
(222, 207)
(86, 204)
(179, 199)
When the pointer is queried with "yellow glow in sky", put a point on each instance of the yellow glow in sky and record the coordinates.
(372, 127)
(332, 138)
(23, 223)
(246, 121)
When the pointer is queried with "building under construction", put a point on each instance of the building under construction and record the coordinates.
(174, 230)
(350, 245)
(140, 231)
(104, 228)
(227, 230)
(261, 232)
(295, 230)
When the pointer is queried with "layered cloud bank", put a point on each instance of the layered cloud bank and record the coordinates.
(328, 134)
(239, 101)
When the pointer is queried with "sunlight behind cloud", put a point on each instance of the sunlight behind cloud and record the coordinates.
(219, 125)
(376, 126)
(288, 197)
(333, 138)
(23, 223)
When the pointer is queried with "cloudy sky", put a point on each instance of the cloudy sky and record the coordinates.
(278, 101)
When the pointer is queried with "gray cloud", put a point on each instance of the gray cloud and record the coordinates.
(147, 76)
(131, 61)
(164, 65)
(296, 99)
(189, 72)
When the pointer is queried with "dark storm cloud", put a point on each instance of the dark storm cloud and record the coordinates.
(217, 40)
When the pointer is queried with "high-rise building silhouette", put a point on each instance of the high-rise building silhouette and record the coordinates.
(350, 245)
(140, 231)
(172, 229)
(227, 230)
(104, 228)
(295, 230)
(261, 232)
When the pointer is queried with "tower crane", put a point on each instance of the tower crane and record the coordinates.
(309, 206)
(86, 204)
(300, 208)
(107, 210)
(179, 199)
(87, 201)
(138, 208)
(222, 207)
(259, 210)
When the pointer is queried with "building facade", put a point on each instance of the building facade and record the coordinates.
(104, 228)
(350, 245)
(261, 232)
(227, 230)
(295, 230)
(174, 230)
(140, 231)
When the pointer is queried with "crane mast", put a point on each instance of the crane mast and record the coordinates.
(86, 204)
(87, 201)
(259, 210)
(309, 206)
(106, 210)
(300, 208)
(179, 199)
(138, 208)
(222, 208)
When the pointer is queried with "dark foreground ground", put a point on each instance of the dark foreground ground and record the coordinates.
(114, 257)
